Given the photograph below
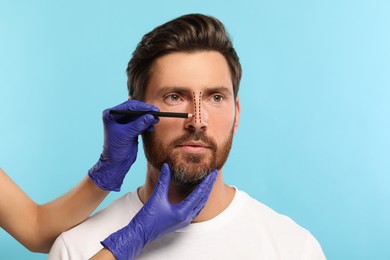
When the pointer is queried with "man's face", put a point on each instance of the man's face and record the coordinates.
(198, 83)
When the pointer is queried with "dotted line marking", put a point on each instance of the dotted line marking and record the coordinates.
(193, 93)
(200, 100)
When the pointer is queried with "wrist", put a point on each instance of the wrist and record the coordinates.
(126, 243)
(108, 176)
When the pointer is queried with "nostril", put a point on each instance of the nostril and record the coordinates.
(190, 128)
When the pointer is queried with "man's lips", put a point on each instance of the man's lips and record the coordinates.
(194, 146)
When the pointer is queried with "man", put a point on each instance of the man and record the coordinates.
(187, 65)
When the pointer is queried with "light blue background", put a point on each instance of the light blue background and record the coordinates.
(314, 136)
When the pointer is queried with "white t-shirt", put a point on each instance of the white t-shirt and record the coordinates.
(246, 229)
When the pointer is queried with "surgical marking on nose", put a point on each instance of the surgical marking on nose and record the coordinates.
(195, 112)
(197, 107)
(200, 114)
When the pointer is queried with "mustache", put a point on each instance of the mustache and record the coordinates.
(195, 136)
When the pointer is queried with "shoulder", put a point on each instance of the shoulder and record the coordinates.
(58, 250)
(83, 241)
(261, 213)
(278, 230)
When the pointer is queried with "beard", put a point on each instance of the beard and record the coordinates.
(187, 169)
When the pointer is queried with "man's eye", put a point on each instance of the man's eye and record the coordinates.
(217, 98)
(173, 97)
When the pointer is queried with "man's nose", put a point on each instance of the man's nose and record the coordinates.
(200, 119)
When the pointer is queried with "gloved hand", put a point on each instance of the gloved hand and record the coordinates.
(158, 217)
(120, 144)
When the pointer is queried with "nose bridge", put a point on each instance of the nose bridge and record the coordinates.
(200, 118)
(197, 96)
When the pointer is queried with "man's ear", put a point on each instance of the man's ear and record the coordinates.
(237, 119)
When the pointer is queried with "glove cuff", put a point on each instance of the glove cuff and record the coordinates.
(107, 176)
(126, 243)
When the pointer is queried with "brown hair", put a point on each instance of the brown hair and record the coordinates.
(188, 33)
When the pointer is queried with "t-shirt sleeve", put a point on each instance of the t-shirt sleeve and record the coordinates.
(59, 251)
(313, 250)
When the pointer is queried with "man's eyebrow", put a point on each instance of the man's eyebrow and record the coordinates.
(219, 89)
(208, 90)
(175, 89)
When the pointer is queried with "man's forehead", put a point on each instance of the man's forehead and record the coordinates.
(203, 71)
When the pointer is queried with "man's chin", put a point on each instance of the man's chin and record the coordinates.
(189, 173)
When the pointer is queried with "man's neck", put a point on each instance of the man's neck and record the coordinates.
(219, 199)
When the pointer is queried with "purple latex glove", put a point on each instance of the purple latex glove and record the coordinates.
(120, 144)
(158, 217)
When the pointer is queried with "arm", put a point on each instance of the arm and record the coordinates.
(104, 254)
(36, 226)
